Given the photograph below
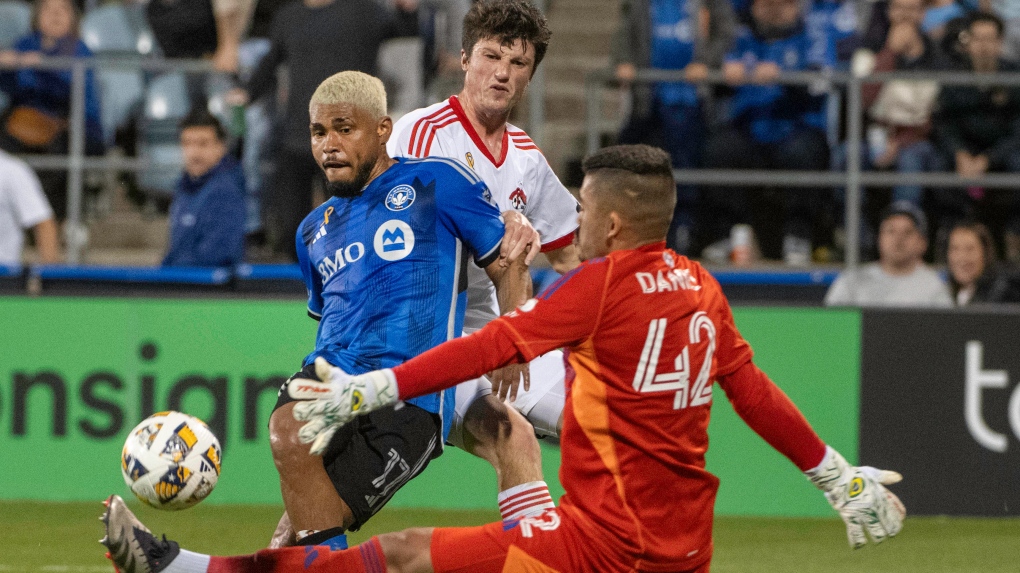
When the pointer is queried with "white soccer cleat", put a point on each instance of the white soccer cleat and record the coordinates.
(132, 547)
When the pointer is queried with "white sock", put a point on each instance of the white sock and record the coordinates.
(525, 500)
(188, 562)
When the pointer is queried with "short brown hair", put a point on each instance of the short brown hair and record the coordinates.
(987, 18)
(637, 182)
(199, 116)
(507, 21)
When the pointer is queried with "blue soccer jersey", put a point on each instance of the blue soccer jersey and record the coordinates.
(386, 272)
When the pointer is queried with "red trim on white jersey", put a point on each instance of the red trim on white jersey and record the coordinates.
(435, 128)
(426, 126)
(470, 130)
(559, 243)
(521, 140)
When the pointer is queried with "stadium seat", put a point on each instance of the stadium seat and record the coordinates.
(117, 29)
(120, 93)
(15, 21)
(166, 102)
(166, 98)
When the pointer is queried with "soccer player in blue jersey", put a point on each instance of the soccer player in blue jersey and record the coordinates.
(384, 262)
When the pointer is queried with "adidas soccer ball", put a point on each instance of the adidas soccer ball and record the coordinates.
(171, 460)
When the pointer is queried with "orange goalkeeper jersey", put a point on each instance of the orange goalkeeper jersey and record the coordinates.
(648, 331)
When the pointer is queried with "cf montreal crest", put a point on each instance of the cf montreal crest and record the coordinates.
(400, 198)
(518, 199)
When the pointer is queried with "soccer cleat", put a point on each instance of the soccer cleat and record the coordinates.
(133, 548)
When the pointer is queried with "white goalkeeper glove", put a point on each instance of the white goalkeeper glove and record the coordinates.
(337, 399)
(857, 493)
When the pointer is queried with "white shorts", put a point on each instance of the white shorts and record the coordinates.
(542, 405)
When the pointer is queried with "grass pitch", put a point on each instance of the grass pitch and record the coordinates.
(61, 537)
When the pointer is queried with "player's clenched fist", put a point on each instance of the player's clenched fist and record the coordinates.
(335, 399)
(859, 495)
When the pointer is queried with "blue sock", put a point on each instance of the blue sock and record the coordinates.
(336, 543)
(334, 538)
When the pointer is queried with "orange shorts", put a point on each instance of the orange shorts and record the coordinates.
(550, 543)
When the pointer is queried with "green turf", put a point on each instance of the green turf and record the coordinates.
(61, 537)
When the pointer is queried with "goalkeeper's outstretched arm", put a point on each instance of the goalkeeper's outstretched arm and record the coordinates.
(857, 493)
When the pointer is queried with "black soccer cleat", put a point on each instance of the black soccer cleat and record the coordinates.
(133, 548)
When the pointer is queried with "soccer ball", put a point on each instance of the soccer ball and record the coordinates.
(171, 460)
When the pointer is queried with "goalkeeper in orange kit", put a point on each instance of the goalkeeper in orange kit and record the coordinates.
(648, 332)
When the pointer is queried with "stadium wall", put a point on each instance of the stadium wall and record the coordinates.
(941, 404)
(76, 374)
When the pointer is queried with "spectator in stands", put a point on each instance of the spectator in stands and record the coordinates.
(207, 213)
(242, 32)
(901, 110)
(37, 119)
(974, 274)
(937, 14)
(773, 127)
(900, 277)
(321, 37)
(952, 42)
(671, 35)
(835, 21)
(24, 206)
(1009, 11)
(183, 28)
(186, 29)
(442, 32)
(978, 129)
(886, 14)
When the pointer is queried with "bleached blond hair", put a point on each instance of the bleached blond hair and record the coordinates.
(355, 88)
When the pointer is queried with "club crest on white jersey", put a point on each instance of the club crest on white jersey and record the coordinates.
(519, 199)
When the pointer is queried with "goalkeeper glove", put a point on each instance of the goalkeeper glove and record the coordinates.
(857, 493)
(336, 400)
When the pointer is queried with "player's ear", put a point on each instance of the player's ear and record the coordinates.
(464, 57)
(384, 129)
(615, 226)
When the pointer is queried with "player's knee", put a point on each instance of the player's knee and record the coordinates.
(283, 438)
(521, 436)
(488, 421)
(408, 551)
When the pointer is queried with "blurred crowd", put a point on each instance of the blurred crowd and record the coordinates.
(268, 56)
(241, 133)
(752, 122)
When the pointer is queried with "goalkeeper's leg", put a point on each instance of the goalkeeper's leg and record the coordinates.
(549, 543)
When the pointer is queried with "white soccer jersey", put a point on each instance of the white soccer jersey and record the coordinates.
(521, 180)
(22, 206)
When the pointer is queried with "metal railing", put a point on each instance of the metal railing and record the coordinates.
(75, 161)
(854, 178)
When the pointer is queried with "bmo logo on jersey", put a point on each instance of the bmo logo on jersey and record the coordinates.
(394, 240)
(343, 256)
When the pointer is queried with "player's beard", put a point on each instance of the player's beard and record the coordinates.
(354, 187)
